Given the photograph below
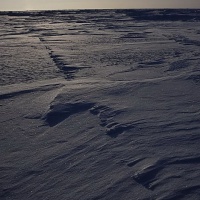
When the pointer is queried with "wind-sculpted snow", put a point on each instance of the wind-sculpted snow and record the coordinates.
(60, 112)
(100, 104)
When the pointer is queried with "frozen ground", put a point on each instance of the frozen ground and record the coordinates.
(100, 105)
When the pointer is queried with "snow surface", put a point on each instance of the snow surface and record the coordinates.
(100, 104)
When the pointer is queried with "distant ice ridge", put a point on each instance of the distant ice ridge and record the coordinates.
(100, 105)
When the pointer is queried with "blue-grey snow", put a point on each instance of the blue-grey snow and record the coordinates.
(100, 105)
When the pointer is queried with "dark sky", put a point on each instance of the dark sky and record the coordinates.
(84, 4)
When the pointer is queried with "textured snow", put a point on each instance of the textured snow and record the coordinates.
(100, 104)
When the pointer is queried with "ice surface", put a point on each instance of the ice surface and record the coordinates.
(100, 104)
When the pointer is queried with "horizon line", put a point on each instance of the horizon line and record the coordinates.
(167, 8)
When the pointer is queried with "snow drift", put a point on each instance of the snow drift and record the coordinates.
(100, 105)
